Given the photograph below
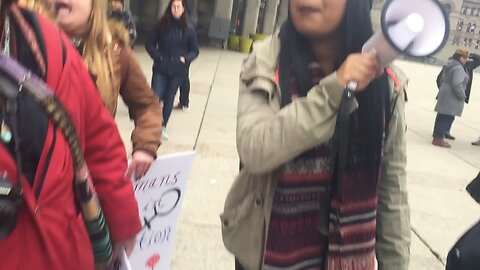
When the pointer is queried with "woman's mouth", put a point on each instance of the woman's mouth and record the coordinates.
(62, 9)
(305, 10)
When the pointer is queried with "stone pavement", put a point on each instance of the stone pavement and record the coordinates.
(441, 210)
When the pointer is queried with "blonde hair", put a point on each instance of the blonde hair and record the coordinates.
(40, 6)
(97, 52)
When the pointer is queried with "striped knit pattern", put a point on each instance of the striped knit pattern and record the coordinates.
(294, 239)
(309, 228)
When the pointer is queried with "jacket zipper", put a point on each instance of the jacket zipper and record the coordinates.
(47, 163)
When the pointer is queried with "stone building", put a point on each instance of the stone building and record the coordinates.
(243, 17)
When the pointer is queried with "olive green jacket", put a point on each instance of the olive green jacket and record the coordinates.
(269, 136)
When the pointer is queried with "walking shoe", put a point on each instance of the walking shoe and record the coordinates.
(476, 143)
(180, 107)
(164, 133)
(448, 136)
(440, 142)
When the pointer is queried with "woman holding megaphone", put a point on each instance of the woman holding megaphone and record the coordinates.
(312, 195)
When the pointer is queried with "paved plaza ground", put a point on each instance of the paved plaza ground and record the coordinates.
(441, 210)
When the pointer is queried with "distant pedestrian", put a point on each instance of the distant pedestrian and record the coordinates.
(172, 44)
(471, 65)
(301, 202)
(184, 103)
(121, 13)
(451, 97)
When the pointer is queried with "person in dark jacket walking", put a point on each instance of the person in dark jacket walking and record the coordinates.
(184, 103)
(122, 14)
(471, 65)
(173, 45)
(451, 96)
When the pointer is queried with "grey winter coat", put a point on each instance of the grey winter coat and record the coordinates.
(451, 96)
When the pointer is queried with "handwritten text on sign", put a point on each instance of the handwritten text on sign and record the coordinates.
(159, 195)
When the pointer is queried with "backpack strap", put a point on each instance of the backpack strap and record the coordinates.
(53, 44)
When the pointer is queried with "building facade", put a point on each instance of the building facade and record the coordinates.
(265, 16)
(244, 17)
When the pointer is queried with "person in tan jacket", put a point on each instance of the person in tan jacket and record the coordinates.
(323, 184)
(105, 49)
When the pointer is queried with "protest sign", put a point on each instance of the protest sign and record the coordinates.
(159, 195)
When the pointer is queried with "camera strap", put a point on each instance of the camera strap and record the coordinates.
(10, 92)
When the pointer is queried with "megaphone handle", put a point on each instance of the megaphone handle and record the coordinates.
(351, 88)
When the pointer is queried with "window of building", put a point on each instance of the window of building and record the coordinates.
(464, 10)
(459, 25)
(472, 27)
(475, 12)
(468, 11)
(477, 44)
(456, 41)
(469, 25)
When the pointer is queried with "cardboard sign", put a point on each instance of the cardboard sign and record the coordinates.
(160, 195)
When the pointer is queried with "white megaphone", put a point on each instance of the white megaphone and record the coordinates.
(416, 28)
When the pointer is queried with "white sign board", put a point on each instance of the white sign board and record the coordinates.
(160, 195)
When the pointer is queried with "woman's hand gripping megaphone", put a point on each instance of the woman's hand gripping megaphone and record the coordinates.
(404, 30)
(358, 70)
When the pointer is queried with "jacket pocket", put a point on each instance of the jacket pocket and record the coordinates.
(177, 67)
(243, 220)
(160, 65)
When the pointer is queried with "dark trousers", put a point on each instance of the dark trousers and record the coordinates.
(165, 87)
(443, 123)
(185, 91)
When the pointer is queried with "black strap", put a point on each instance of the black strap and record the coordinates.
(47, 163)
(340, 140)
(339, 160)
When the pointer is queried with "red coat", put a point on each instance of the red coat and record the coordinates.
(50, 233)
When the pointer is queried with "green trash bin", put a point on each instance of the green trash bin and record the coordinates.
(234, 42)
(245, 44)
(257, 37)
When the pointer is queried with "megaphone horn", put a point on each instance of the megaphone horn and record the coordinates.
(416, 28)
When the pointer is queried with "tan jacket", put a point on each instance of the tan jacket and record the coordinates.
(131, 84)
(268, 137)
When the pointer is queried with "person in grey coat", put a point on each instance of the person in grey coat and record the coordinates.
(451, 97)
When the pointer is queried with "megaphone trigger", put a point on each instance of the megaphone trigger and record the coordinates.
(351, 88)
